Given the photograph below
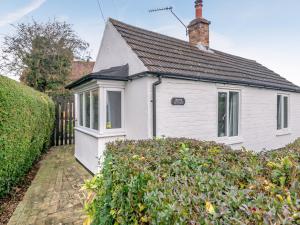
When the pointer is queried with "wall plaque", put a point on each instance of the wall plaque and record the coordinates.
(178, 101)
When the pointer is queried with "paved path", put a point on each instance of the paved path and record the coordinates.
(54, 198)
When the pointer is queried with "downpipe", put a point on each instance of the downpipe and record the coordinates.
(154, 85)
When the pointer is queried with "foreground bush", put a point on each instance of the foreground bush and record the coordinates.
(26, 121)
(179, 181)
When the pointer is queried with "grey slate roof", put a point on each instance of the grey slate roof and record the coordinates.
(119, 73)
(176, 58)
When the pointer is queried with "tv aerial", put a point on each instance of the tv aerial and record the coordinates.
(170, 8)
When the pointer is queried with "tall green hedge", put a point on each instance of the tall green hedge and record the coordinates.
(26, 122)
(180, 181)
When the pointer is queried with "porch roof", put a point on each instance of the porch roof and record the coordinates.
(119, 73)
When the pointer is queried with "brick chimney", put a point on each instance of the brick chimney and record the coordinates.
(199, 28)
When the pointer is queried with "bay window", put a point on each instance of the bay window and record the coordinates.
(102, 114)
(113, 110)
(88, 109)
(282, 112)
(228, 113)
(87, 102)
(95, 109)
(81, 109)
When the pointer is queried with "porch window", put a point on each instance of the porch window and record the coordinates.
(113, 109)
(81, 109)
(228, 113)
(89, 109)
(95, 109)
(282, 112)
(101, 114)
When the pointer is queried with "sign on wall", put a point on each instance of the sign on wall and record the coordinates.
(178, 101)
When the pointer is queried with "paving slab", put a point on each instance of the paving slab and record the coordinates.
(55, 195)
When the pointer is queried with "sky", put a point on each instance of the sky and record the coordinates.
(267, 31)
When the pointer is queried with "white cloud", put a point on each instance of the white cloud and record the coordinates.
(18, 14)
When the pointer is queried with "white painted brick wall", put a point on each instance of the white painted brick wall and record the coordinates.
(114, 51)
(87, 150)
(198, 118)
(137, 106)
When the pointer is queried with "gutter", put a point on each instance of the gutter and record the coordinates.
(154, 85)
(204, 78)
(223, 81)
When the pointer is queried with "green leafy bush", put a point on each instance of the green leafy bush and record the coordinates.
(180, 181)
(26, 122)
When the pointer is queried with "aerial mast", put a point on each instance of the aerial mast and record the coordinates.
(170, 8)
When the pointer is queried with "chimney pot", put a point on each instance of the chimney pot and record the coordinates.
(199, 8)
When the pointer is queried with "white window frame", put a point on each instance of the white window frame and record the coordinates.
(84, 110)
(92, 109)
(229, 139)
(78, 111)
(103, 87)
(117, 130)
(90, 129)
(283, 131)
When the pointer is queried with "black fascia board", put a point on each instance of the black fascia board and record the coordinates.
(204, 78)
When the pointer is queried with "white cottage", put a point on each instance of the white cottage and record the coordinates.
(145, 84)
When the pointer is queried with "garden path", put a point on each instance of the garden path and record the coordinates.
(55, 196)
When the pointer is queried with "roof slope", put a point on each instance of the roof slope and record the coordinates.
(170, 56)
(118, 73)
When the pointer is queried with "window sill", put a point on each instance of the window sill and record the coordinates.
(87, 131)
(117, 134)
(96, 134)
(231, 140)
(283, 133)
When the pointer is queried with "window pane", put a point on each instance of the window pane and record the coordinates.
(87, 109)
(113, 110)
(286, 114)
(233, 114)
(81, 109)
(95, 106)
(279, 112)
(222, 115)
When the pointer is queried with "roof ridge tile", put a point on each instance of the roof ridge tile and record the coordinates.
(148, 46)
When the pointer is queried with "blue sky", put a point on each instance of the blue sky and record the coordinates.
(265, 30)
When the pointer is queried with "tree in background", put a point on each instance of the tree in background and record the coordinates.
(42, 54)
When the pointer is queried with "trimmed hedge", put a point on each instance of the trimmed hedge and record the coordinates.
(180, 181)
(26, 122)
